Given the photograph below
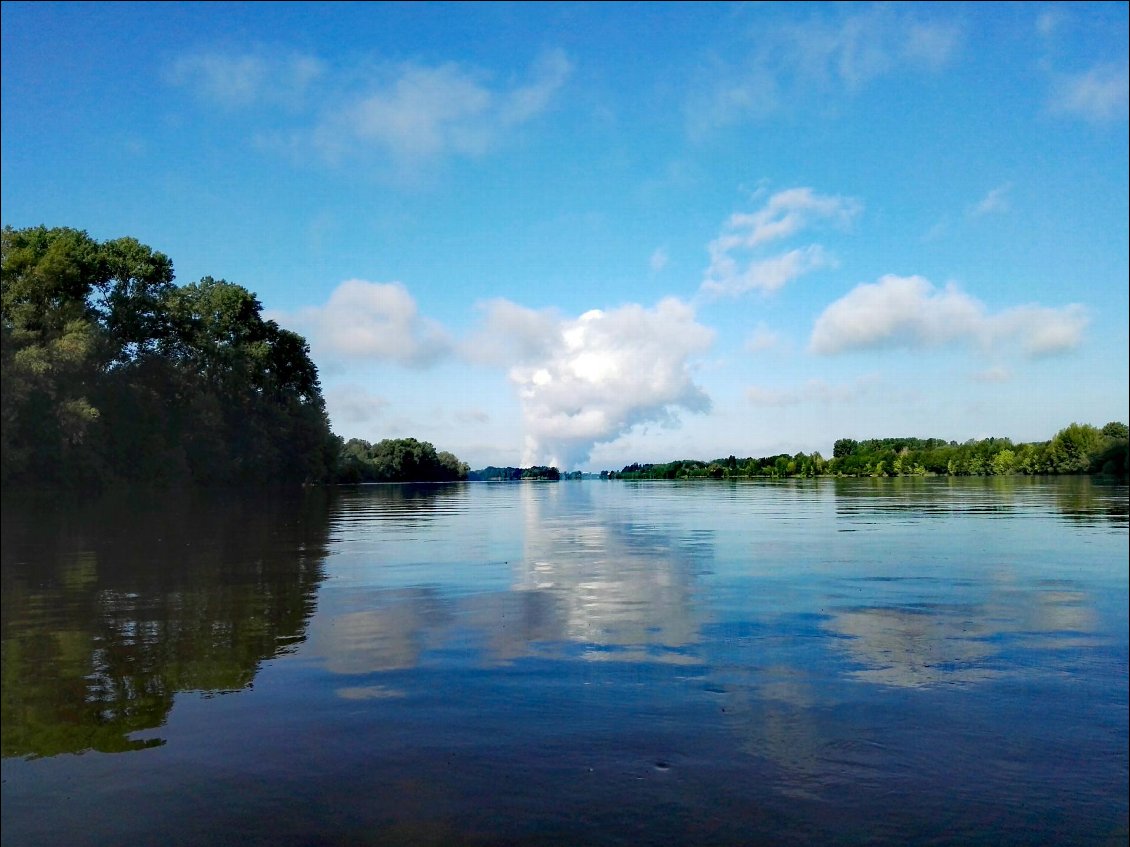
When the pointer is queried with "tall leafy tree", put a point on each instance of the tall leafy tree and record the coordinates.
(112, 372)
(49, 348)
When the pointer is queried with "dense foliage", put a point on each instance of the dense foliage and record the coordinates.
(397, 460)
(112, 373)
(1076, 449)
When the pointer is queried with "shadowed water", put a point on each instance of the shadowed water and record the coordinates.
(915, 661)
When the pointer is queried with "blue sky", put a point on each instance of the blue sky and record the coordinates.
(591, 234)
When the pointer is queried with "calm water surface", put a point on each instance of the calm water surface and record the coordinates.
(823, 662)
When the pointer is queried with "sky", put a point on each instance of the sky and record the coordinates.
(594, 234)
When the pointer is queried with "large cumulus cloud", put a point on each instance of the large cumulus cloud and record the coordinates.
(588, 380)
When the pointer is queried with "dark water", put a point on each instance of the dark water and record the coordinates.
(832, 662)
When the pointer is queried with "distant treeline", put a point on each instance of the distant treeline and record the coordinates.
(493, 474)
(1076, 449)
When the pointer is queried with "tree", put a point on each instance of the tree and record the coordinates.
(111, 372)
(136, 282)
(50, 343)
(1073, 448)
(1116, 429)
(1114, 460)
(1003, 462)
(398, 460)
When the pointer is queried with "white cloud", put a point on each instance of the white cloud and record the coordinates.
(548, 74)
(789, 211)
(910, 312)
(411, 112)
(420, 112)
(247, 79)
(724, 277)
(995, 202)
(588, 380)
(373, 320)
(818, 61)
(1040, 330)
(423, 112)
(510, 333)
(737, 260)
(1100, 95)
(658, 260)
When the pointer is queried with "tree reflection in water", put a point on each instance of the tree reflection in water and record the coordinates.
(113, 607)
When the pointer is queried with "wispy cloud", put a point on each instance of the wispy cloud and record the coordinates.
(762, 339)
(994, 203)
(814, 391)
(1099, 95)
(821, 59)
(409, 113)
(375, 321)
(726, 277)
(588, 380)
(1048, 22)
(421, 112)
(738, 260)
(242, 80)
(658, 260)
(910, 312)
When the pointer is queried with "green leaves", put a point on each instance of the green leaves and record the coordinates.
(398, 460)
(1078, 448)
(155, 382)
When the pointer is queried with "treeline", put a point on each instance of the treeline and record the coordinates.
(397, 460)
(113, 373)
(1076, 449)
(493, 474)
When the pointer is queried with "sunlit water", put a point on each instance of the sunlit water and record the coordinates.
(822, 662)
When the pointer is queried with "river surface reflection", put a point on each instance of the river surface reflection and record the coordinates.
(834, 661)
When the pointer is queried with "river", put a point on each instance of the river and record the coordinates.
(876, 661)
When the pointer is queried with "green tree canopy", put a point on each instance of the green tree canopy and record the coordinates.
(398, 460)
(113, 373)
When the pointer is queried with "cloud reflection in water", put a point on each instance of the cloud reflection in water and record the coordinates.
(587, 581)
